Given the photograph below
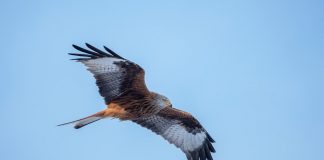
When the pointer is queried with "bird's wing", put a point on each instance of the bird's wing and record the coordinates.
(182, 130)
(115, 75)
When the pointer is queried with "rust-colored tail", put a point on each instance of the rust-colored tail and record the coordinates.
(87, 120)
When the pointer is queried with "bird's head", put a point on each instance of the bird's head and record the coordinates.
(161, 100)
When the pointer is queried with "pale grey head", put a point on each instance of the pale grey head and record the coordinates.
(161, 101)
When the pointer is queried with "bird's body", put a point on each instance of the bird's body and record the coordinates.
(121, 83)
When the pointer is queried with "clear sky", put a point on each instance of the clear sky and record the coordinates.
(251, 71)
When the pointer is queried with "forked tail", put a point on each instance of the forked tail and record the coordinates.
(87, 120)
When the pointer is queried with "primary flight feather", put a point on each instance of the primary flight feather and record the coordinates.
(121, 83)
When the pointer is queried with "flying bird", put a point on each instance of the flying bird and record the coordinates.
(121, 83)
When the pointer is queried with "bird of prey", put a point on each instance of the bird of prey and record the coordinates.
(121, 83)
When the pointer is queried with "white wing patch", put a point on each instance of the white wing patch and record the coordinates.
(102, 65)
(183, 139)
(109, 75)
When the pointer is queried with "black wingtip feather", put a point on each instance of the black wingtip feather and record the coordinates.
(93, 53)
(86, 51)
(207, 152)
(82, 55)
(210, 138)
(202, 154)
(211, 148)
(80, 59)
(195, 155)
(113, 53)
(97, 50)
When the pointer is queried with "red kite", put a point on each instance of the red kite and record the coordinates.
(121, 83)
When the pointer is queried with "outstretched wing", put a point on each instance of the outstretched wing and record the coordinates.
(115, 75)
(182, 130)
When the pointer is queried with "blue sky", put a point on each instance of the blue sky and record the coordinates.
(251, 71)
